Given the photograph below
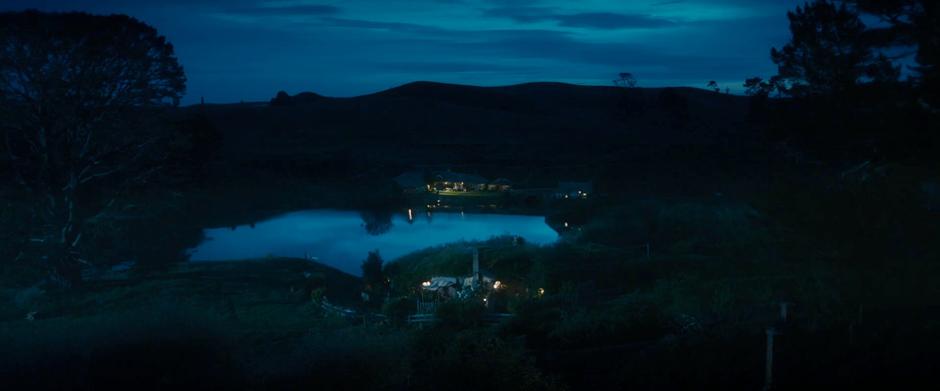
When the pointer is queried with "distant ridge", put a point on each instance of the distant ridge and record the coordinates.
(420, 118)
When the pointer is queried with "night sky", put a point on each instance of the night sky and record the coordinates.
(235, 50)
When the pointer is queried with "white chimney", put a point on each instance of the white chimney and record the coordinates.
(476, 262)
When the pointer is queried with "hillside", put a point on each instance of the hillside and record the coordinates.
(429, 122)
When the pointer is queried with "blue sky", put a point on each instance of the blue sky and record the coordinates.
(237, 50)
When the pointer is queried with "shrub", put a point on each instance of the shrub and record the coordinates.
(460, 314)
(168, 348)
(348, 359)
(474, 360)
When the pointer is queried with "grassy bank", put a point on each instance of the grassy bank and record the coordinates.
(236, 325)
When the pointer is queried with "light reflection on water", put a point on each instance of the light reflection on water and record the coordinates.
(340, 239)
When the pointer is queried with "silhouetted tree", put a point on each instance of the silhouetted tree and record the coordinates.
(281, 99)
(625, 79)
(713, 85)
(758, 87)
(376, 221)
(827, 54)
(372, 275)
(910, 23)
(78, 96)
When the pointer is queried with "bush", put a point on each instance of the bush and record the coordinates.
(460, 314)
(344, 359)
(398, 309)
(704, 228)
(474, 360)
(618, 322)
(164, 348)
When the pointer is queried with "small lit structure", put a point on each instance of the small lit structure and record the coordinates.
(415, 182)
(444, 287)
(458, 182)
(455, 181)
(452, 287)
(500, 184)
(576, 190)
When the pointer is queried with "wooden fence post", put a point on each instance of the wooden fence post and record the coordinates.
(769, 362)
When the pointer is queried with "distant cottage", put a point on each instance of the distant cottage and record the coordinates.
(573, 190)
(449, 181)
(449, 287)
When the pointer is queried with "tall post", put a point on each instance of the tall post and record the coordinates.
(477, 278)
(769, 368)
(476, 262)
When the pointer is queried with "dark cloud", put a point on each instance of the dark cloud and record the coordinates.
(521, 14)
(385, 26)
(606, 20)
(559, 46)
(295, 10)
(248, 49)
(446, 67)
(592, 20)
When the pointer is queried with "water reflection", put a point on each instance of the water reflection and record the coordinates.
(342, 239)
(376, 221)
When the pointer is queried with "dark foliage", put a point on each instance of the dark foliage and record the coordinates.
(908, 23)
(78, 94)
(372, 276)
(195, 144)
(827, 54)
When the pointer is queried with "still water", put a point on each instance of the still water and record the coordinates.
(342, 239)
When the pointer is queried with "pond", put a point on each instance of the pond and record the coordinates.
(342, 239)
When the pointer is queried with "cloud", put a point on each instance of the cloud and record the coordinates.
(590, 20)
(668, 2)
(386, 26)
(521, 14)
(294, 10)
(446, 67)
(607, 20)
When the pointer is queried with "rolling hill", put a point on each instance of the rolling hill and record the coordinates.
(510, 131)
(422, 115)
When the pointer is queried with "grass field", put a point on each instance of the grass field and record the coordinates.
(246, 291)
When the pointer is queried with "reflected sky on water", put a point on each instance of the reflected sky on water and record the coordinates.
(340, 239)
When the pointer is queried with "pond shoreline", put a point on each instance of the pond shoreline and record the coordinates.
(343, 238)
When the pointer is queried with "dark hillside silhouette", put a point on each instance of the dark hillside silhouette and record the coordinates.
(539, 236)
(423, 119)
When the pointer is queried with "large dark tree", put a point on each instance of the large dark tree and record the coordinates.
(372, 275)
(910, 23)
(78, 93)
(828, 54)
